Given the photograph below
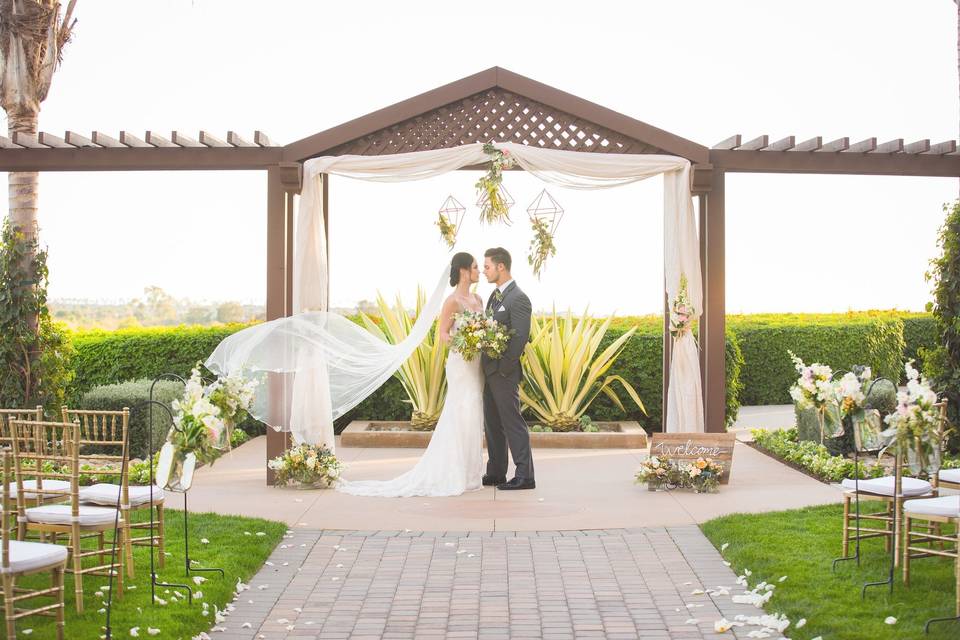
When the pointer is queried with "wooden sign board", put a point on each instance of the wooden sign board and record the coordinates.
(690, 446)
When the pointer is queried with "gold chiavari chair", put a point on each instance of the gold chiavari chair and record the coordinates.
(6, 415)
(883, 490)
(21, 558)
(104, 441)
(54, 453)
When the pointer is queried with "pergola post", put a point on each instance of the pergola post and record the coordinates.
(283, 182)
(712, 330)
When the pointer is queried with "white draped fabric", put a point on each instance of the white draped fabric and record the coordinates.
(569, 169)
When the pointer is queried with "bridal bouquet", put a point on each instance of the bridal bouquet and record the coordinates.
(475, 332)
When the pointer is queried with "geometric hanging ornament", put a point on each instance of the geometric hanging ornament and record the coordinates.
(546, 209)
(449, 218)
(545, 215)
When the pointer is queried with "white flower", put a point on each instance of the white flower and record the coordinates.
(135, 631)
(724, 546)
(802, 622)
(890, 620)
(722, 625)
(153, 631)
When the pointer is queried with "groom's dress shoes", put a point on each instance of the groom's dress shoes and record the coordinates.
(492, 481)
(517, 484)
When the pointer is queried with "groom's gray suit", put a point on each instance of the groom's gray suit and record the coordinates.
(501, 391)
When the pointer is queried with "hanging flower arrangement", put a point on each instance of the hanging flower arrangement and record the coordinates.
(448, 231)
(493, 206)
(542, 246)
(682, 312)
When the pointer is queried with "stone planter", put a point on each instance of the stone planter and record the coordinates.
(384, 434)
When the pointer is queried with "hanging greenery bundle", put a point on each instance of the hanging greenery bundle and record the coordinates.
(493, 206)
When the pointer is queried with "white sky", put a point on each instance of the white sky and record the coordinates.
(703, 70)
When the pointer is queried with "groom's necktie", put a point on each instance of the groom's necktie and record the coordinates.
(490, 300)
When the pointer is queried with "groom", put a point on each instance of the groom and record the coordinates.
(501, 390)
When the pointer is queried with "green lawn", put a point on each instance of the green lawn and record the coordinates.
(229, 548)
(801, 544)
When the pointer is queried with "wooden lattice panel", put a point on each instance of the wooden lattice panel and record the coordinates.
(493, 116)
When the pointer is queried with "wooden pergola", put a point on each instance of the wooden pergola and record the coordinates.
(500, 106)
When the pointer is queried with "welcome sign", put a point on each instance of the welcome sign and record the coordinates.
(690, 446)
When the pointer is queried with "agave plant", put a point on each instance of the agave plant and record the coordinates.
(422, 375)
(562, 372)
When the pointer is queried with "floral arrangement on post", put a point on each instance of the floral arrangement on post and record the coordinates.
(542, 246)
(814, 389)
(851, 392)
(475, 332)
(233, 395)
(204, 416)
(310, 465)
(915, 424)
(702, 475)
(488, 186)
(682, 314)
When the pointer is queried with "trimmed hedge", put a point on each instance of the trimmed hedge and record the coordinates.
(840, 341)
(108, 357)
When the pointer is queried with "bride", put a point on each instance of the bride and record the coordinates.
(453, 461)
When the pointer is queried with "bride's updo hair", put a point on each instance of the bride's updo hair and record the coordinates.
(460, 260)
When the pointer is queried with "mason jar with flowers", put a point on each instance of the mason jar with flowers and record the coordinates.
(915, 425)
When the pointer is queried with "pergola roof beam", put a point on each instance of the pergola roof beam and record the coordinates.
(943, 148)
(869, 144)
(7, 143)
(28, 140)
(75, 139)
(920, 146)
(813, 144)
(783, 144)
(835, 145)
(892, 146)
(130, 140)
(730, 143)
(754, 145)
(182, 140)
(209, 140)
(261, 139)
(52, 141)
(234, 139)
(103, 140)
(157, 140)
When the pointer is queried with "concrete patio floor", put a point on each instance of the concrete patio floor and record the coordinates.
(576, 490)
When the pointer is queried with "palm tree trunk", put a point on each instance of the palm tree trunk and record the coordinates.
(22, 187)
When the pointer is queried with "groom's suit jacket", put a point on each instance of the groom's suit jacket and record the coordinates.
(514, 312)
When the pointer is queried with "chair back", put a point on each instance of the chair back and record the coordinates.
(5, 531)
(104, 442)
(52, 453)
(6, 415)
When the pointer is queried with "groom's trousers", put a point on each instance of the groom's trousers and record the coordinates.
(504, 426)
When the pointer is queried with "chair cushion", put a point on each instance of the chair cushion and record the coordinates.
(106, 494)
(950, 475)
(884, 486)
(56, 485)
(33, 556)
(945, 506)
(60, 514)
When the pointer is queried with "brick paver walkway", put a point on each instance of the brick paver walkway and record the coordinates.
(625, 583)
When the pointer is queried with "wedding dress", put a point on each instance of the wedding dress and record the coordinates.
(453, 461)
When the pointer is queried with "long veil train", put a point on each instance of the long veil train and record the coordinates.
(313, 367)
